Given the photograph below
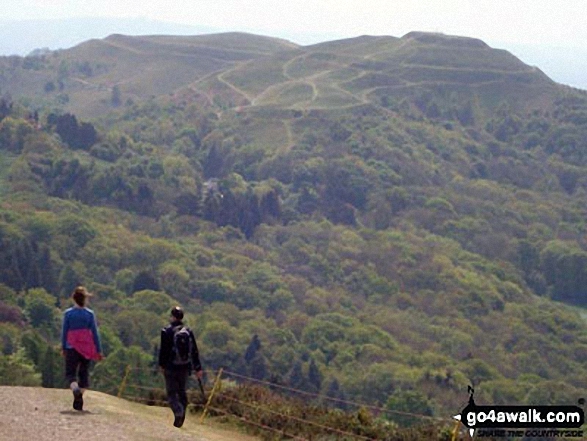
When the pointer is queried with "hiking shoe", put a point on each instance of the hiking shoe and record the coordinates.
(78, 399)
(179, 419)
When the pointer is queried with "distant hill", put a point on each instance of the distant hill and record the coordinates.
(384, 70)
(235, 69)
(83, 79)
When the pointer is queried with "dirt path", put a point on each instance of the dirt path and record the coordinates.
(46, 415)
(232, 86)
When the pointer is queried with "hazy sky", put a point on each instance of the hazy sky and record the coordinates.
(556, 23)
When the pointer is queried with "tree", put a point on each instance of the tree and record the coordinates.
(75, 135)
(314, 376)
(187, 203)
(297, 380)
(254, 346)
(5, 108)
(155, 359)
(86, 136)
(13, 133)
(270, 205)
(258, 366)
(116, 97)
(211, 209)
(145, 281)
(50, 367)
(33, 347)
(339, 397)
(68, 280)
(108, 373)
(213, 163)
(40, 308)
(153, 301)
(409, 401)
(17, 371)
(137, 328)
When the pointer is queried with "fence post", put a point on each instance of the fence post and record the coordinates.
(123, 383)
(456, 430)
(214, 388)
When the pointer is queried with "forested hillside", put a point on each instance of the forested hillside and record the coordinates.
(394, 219)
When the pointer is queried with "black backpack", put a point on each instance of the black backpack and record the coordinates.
(182, 346)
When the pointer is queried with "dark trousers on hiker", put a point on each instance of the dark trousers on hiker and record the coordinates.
(77, 368)
(175, 384)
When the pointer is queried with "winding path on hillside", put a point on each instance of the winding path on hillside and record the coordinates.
(232, 86)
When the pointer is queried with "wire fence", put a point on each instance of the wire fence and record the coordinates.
(332, 399)
(157, 397)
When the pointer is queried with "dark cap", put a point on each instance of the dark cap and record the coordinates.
(177, 312)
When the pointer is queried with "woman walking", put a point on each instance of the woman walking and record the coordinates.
(80, 343)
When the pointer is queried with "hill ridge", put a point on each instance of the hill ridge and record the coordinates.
(268, 71)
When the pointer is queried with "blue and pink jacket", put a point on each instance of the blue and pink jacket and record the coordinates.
(80, 332)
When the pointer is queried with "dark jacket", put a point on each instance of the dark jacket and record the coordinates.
(165, 355)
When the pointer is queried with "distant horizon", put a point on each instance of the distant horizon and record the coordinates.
(564, 64)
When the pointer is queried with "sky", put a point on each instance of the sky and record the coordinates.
(539, 27)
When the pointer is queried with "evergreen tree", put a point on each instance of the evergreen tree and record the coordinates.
(26, 265)
(45, 264)
(213, 163)
(211, 207)
(155, 360)
(270, 206)
(48, 368)
(249, 216)
(68, 280)
(228, 213)
(34, 347)
(258, 367)
(116, 98)
(297, 380)
(86, 136)
(314, 376)
(254, 346)
(334, 391)
(5, 108)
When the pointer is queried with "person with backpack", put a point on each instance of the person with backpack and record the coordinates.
(178, 358)
(80, 343)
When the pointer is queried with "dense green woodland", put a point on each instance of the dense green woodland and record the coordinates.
(393, 252)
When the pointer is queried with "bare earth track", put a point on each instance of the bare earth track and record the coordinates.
(35, 414)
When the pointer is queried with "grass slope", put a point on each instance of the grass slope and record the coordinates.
(46, 415)
(266, 71)
(82, 79)
(374, 70)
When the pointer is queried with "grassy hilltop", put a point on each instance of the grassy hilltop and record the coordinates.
(394, 218)
(235, 69)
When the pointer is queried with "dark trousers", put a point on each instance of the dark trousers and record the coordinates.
(175, 384)
(77, 368)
